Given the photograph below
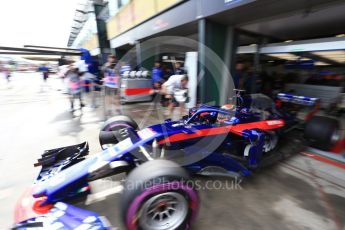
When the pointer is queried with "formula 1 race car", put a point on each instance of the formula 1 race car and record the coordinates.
(232, 140)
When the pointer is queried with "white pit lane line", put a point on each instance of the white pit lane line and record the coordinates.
(102, 195)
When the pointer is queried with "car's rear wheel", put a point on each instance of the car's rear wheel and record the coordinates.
(157, 197)
(117, 124)
(322, 132)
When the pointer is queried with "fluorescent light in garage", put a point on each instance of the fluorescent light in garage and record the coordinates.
(285, 56)
(338, 56)
(320, 63)
(292, 57)
(304, 59)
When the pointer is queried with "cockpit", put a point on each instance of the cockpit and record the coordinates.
(213, 116)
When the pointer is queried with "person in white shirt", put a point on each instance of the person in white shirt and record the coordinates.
(176, 90)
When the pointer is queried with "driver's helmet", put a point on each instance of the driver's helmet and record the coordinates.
(192, 111)
(225, 117)
(228, 107)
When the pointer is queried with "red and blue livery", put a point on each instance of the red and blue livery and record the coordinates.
(232, 140)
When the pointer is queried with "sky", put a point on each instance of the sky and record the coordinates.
(36, 22)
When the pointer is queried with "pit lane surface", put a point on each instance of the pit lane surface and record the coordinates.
(299, 193)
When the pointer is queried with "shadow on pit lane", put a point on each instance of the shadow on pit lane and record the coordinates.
(71, 127)
(64, 116)
(254, 204)
(272, 197)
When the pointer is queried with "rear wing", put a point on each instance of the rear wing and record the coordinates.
(300, 100)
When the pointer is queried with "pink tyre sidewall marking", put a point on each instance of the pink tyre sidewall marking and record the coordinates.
(135, 205)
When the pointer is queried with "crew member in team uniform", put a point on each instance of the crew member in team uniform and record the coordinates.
(157, 75)
(111, 82)
(178, 69)
(157, 81)
(45, 72)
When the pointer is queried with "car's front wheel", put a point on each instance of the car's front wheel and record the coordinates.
(114, 128)
(157, 197)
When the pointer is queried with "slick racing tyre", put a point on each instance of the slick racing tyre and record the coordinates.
(114, 129)
(322, 132)
(157, 196)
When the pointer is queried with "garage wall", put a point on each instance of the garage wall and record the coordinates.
(135, 13)
(92, 43)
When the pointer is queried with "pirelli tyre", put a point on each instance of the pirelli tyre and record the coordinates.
(322, 132)
(115, 129)
(157, 196)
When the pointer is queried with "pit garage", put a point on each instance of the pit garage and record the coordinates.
(283, 46)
